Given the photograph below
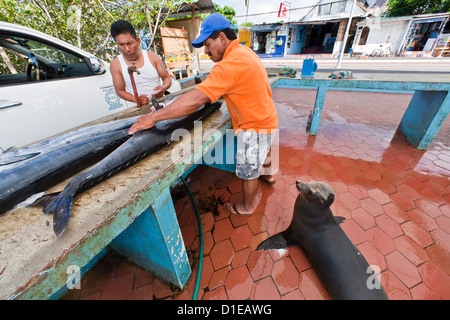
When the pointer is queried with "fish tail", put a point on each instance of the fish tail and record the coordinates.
(44, 200)
(60, 207)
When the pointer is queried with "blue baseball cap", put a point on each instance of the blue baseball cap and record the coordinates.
(213, 22)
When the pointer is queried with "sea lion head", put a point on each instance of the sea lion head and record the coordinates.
(317, 195)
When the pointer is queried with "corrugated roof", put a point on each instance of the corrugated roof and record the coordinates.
(202, 6)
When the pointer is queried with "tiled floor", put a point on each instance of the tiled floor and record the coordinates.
(396, 201)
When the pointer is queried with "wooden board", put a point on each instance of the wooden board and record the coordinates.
(175, 42)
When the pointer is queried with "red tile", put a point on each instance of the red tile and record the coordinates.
(311, 287)
(142, 293)
(299, 258)
(422, 219)
(372, 174)
(363, 218)
(437, 280)
(239, 284)
(385, 186)
(404, 270)
(439, 252)
(433, 197)
(293, 295)
(411, 250)
(257, 223)
(427, 207)
(119, 287)
(372, 207)
(395, 212)
(273, 211)
(161, 290)
(394, 288)
(217, 294)
(349, 200)
(207, 220)
(142, 277)
(235, 186)
(219, 277)
(222, 230)
(189, 235)
(379, 196)
(380, 240)
(372, 255)
(419, 235)
(423, 292)
(241, 237)
(222, 254)
(207, 272)
(265, 289)
(443, 223)
(408, 192)
(222, 195)
(260, 264)
(358, 191)
(208, 242)
(355, 233)
(285, 275)
(241, 258)
(389, 226)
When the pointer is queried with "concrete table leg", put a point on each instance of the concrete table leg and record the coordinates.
(424, 117)
(318, 106)
(154, 241)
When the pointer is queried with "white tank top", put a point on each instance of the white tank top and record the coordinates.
(146, 81)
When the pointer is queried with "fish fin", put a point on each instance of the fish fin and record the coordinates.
(275, 242)
(60, 207)
(44, 200)
(14, 159)
(339, 219)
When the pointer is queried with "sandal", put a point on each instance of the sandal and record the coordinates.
(271, 182)
(231, 208)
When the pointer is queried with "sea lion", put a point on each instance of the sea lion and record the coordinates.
(341, 267)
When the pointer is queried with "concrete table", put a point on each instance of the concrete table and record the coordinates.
(423, 118)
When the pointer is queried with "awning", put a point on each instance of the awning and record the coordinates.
(202, 6)
(266, 27)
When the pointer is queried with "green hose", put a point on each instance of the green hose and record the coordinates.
(200, 258)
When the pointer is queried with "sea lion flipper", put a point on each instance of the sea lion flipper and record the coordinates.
(275, 242)
(339, 219)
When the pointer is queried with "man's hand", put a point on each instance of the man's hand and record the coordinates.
(144, 99)
(144, 122)
(158, 92)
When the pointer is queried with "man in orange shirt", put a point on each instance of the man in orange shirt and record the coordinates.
(240, 77)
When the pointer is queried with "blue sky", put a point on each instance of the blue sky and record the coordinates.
(263, 6)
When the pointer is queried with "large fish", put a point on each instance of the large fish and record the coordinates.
(47, 169)
(140, 145)
(11, 158)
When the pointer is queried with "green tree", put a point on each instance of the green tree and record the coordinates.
(86, 24)
(227, 11)
(412, 7)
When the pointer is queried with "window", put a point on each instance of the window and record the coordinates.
(363, 37)
(324, 9)
(25, 60)
(332, 8)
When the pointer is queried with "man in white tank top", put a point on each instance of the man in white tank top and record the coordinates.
(153, 79)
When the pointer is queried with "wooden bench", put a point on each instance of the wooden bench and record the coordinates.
(427, 111)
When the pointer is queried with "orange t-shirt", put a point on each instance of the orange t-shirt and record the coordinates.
(242, 80)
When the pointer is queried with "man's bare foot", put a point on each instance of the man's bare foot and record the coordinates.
(268, 178)
(241, 210)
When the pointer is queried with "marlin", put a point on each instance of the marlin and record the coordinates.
(14, 157)
(46, 169)
(139, 146)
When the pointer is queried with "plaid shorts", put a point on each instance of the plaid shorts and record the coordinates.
(252, 149)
